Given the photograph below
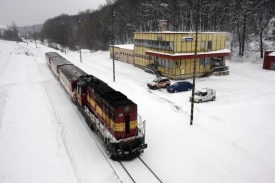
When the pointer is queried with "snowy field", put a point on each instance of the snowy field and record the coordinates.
(44, 139)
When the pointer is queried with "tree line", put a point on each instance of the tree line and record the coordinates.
(11, 33)
(119, 19)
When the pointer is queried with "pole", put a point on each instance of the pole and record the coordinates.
(64, 36)
(26, 35)
(163, 6)
(195, 59)
(79, 42)
(34, 36)
(113, 46)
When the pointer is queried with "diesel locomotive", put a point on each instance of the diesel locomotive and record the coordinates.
(108, 112)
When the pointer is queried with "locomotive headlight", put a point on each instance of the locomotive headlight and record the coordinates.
(126, 109)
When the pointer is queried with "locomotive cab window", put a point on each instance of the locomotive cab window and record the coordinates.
(83, 91)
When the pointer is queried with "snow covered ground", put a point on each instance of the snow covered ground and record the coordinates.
(44, 139)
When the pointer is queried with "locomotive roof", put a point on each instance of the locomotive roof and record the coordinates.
(60, 61)
(103, 90)
(72, 72)
(52, 54)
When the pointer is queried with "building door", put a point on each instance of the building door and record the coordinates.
(272, 66)
(215, 62)
(127, 124)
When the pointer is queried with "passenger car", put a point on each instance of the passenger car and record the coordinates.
(203, 95)
(180, 86)
(161, 82)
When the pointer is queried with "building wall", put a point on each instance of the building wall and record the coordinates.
(269, 61)
(122, 54)
(126, 56)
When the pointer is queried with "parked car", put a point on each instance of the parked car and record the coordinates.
(180, 86)
(161, 82)
(203, 95)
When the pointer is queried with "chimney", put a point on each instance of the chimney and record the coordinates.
(163, 25)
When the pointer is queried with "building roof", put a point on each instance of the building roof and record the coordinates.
(126, 46)
(176, 56)
(272, 54)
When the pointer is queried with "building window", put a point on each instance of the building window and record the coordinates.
(209, 45)
(203, 45)
(204, 61)
(168, 64)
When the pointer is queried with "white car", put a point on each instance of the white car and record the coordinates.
(203, 95)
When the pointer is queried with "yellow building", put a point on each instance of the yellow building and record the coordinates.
(172, 53)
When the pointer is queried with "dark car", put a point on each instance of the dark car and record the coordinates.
(180, 86)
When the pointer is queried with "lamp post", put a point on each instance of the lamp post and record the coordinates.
(113, 40)
(79, 21)
(26, 35)
(163, 6)
(34, 36)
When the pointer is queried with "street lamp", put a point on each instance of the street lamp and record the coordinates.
(79, 21)
(113, 40)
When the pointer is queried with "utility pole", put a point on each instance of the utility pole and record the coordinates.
(113, 36)
(26, 35)
(195, 59)
(79, 21)
(64, 36)
(34, 36)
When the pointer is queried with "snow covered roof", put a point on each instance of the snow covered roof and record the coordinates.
(272, 54)
(191, 54)
(126, 46)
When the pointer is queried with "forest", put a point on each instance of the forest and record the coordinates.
(117, 20)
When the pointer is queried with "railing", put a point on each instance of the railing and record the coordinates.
(217, 69)
(151, 68)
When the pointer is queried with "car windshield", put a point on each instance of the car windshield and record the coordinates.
(175, 84)
(199, 93)
(156, 80)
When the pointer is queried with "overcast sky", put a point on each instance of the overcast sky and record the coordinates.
(32, 12)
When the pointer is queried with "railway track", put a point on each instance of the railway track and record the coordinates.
(129, 171)
(139, 171)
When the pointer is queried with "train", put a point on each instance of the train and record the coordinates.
(109, 113)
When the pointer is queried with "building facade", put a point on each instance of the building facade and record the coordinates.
(123, 53)
(269, 60)
(173, 53)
